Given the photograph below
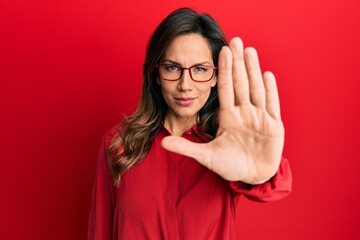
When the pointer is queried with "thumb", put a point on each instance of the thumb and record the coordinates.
(179, 145)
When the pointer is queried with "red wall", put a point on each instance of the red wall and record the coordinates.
(70, 69)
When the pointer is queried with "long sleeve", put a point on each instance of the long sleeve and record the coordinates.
(278, 187)
(103, 200)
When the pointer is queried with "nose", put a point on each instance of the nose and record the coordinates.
(185, 82)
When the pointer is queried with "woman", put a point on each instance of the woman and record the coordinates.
(207, 130)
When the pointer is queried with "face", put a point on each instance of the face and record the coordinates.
(186, 97)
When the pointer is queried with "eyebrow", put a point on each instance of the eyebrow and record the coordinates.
(197, 64)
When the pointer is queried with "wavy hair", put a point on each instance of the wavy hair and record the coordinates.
(135, 134)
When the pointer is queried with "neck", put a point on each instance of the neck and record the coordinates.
(177, 125)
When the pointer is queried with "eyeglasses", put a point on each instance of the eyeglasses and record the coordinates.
(198, 73)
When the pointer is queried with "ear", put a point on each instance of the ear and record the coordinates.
(214, 81)
(158, 80)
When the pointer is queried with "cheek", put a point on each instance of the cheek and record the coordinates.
(205, 93)
(165, 89)
(167, 92)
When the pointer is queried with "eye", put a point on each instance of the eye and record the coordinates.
(200, 69)
(172, 68)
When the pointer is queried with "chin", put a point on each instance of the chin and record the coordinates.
(183, 114)
(186, 115)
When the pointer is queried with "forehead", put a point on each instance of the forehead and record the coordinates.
(189, 49)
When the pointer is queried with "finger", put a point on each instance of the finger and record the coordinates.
(225, 83)
(272, 95)
(257, 90)
(181, 146)
(240, 78)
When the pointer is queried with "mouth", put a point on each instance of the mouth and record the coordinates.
(184, 101)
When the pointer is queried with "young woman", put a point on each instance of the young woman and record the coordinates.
(207, 130)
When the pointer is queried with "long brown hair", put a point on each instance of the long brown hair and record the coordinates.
(136, 133)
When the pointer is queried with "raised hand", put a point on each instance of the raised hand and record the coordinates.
(250, 138)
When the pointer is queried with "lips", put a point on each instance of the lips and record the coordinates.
(184, 101)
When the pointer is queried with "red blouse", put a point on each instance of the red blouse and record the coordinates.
(169, 196)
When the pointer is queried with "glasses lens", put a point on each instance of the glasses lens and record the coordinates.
(170, 72)
(202, 73)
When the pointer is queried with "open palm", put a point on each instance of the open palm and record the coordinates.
(250, 138)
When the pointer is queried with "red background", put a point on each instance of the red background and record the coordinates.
(70, 69)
